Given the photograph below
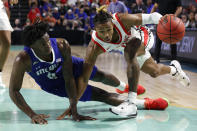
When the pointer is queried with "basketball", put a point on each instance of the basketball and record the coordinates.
(170, 29)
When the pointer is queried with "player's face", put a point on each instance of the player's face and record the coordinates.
(43, 45)
(105, 31)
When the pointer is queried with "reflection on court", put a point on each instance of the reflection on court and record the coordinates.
(180, 116)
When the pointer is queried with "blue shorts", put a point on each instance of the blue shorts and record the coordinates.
(58, 87)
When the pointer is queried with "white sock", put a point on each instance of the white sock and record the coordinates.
(121, 86)
(132, 96)
(172, 70)
(140, 103)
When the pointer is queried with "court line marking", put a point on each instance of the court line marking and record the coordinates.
(181, 106)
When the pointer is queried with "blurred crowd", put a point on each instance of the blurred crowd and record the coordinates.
(79, 14)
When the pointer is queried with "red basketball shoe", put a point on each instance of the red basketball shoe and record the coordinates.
(140, 90)
(156, 104)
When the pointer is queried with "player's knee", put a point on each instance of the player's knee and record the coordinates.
(5, 42)
(99, 77)
(154, 73)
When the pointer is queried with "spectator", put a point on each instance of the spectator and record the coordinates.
(185, 11)
(87, 35)
(76, 25)
(92, 15)
(63, 1)
(75, 9)
(17, 24)
(149, 6)
(192, 23)
(166, 7)
(185, 20)
(70, 18)
(63, 9)
(94, 4)
(33, 1)
(27, 23)
(138, 7)
(33, 13)
(69, 15)
(82, 16)
(55, 13)
(195, 17)
(117, 6)
(47, 6)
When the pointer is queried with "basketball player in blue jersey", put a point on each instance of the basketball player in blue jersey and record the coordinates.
(49, 62)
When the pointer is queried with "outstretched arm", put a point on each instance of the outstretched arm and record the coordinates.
(73, 92)
(22, 64)
(92, 52)
(67, 70)
(178, 11)
(130, 20)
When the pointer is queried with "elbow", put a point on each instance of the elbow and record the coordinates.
(12, 93)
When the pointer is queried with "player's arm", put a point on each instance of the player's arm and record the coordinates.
(22, 64)
(178, 11)
(68, 75)
(130, 20)
(92, 52)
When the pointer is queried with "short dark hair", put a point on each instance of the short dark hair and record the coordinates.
(102, 17)
(34, 32)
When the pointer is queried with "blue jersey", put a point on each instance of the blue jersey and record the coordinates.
(49, 75)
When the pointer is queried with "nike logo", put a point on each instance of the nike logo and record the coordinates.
(35, 62)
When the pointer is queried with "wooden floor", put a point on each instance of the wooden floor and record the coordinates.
(163, 86)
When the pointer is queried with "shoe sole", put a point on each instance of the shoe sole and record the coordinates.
(142, 93)
(129, 116)
(166, 100)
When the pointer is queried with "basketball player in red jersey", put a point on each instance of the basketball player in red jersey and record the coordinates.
(5, 37)
(123, 32)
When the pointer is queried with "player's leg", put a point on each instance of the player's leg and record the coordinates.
(114, 99)
(155, 70)
(149, 66)
(173, 51)
(157, 49)
(111, 80)
(5, 42)
(5, 39)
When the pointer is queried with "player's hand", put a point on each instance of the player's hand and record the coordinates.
(78, 118)
(67, 112)
(13, 2)
(39, 119)
(75, 117)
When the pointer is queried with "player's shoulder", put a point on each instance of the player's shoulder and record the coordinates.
(23, 59)
(22, 56)
(121, 16)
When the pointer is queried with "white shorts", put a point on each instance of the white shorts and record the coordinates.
(4, 21)
(141, 59)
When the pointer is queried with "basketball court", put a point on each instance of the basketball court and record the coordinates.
(181, 115)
